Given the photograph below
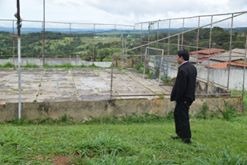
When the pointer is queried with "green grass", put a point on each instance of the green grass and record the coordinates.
(69, 66)
(7, 65)
(215, 141)
(30, 66)
(64, 66)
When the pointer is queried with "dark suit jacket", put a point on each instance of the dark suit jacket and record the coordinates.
(185, 84)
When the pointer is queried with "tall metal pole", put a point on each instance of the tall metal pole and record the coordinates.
(149, 30)
(149, 33)
(122, 42)
(144, 63)
(182, 42)
(230, 54)
(157, 34)
(161, 64)
(169, 39)
(111, 84)
(142, 39)
(209, 46)
(13, 47)
(17, 15)
(141, 32)
(245, 60)
(210, 33)
(94, 45)
(198, 38)
(123, 48)
(43, 35)
(70, 29)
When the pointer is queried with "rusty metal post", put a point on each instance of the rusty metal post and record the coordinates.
(169, 39)
(157, 34)
(70, 28)
(17, 15)
(230, 53)
(198, 38)
(182, 42)
(209, 46)
(43, 35)
(111, 84)
(245, 61)
(13, 38)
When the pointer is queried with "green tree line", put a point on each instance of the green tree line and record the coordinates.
(92, 47)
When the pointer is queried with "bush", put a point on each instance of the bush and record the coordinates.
(7, 65)
(30, 66)
(229, 112)
(203, 113)
(166, 80)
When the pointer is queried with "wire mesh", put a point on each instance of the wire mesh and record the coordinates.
(117, 54)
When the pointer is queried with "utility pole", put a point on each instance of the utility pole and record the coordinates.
(43, 35)
(17, 15)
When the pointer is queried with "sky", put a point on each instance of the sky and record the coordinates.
(117, 11)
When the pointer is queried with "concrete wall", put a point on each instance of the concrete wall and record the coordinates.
(55, 61)
(86, 110)
(219, 76)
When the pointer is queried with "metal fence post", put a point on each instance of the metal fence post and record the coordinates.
(243, 87)
(230, 54)
(19, 57)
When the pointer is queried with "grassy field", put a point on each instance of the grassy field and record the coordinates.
(215, 141)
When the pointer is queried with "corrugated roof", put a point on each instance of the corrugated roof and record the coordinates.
(209, 51)
(223, 65)
(237, 54)
(205, 54)
(220, 65)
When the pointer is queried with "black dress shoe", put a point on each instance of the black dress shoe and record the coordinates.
(175, 137)
(186, 141)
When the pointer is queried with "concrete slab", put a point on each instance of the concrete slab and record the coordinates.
(40, 85)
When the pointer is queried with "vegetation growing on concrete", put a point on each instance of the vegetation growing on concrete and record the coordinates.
(7, 65)
(65, 66)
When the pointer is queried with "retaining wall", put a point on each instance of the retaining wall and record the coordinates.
(86, 110)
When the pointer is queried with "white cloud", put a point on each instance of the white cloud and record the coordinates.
(117, 11)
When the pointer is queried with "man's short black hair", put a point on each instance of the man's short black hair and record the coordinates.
(184, 53)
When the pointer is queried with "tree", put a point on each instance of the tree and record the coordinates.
(103, 53)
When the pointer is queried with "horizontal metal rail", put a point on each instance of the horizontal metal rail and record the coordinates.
(186, 31)
(75, 23)
(190, 17)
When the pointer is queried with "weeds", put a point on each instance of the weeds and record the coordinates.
(203, 113)
(134, 118)
(63, 120)
(169, 115)
(7, 65)
(139, 67)
(104, 145)
(166, 80)
(228, 158)
(229, 112)
(30, 66)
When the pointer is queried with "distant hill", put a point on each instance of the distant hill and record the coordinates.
(34, 30)
(66, 30)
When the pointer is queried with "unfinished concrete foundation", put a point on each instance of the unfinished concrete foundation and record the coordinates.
(83, 94)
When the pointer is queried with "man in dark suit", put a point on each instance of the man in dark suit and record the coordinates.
(183, 93)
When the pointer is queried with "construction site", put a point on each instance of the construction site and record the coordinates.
(119, 70)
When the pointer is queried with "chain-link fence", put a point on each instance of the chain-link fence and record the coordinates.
(102, 61)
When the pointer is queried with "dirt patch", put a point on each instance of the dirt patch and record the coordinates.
(61, 160)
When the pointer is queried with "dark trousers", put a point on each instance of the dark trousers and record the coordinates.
(182, 123)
